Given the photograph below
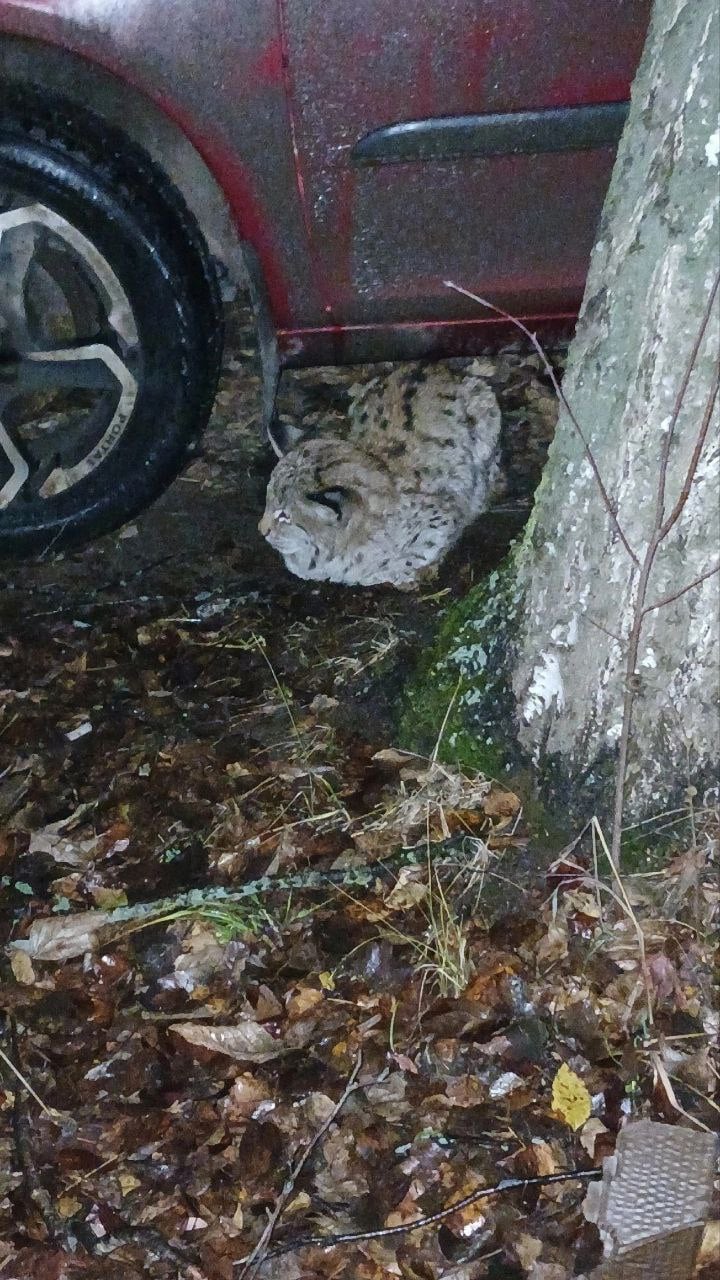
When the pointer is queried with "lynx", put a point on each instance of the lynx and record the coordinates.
(386, 504)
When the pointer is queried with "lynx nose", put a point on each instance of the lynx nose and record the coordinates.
(265, 525)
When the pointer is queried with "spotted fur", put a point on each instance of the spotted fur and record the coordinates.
(386, 504)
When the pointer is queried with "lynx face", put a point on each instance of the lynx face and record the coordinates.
(387, 504)
(324, 506)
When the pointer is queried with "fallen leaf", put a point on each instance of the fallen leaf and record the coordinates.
(128, 1182)
(570, 1098)
(62, 937)
(302, 1000)
(592, 1129)
(389, 755)
(554, 946)
(21, 965)
(528, 1250)
(245, 1097)
(505, 1084)
(247, 1042)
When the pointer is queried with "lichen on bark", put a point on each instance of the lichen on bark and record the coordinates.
(461, 697)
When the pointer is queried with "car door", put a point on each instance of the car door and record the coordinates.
(499, 181)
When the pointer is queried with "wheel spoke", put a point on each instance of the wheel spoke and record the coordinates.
(15, 224)
(95, 367)
(16, 254)
(19, 469)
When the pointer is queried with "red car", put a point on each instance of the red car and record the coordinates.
(349, 155)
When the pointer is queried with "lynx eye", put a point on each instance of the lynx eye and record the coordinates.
(330, 498)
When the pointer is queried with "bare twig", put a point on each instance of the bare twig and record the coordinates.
(430, 1219)
(260, 1253)
(443, 726)
(677, 595)
(697, 451)
(25, 1084)
(36, 1194)
(610, 506)
(594, 623)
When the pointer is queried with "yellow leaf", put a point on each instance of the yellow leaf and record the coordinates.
(570, 1098)
(327, 982)
(67, 1206)
(21, 965)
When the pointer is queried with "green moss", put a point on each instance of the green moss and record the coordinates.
(648, 850)
(461, 695)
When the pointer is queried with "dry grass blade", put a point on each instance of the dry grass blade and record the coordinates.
(627, 907)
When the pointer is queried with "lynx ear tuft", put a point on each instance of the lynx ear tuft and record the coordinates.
(283, 437)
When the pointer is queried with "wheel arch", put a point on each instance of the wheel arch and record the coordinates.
(123, 105)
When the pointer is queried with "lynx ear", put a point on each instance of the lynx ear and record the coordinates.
(283, 437)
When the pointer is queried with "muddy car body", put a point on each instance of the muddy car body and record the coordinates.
(352, 157)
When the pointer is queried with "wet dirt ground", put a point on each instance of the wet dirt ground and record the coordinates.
(177, 712)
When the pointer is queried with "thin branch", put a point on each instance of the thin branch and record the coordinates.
(609, 505)
(260, 1253)
(35, 1193)
(677, 595)
(49, 1112)
(430, 1219)
(695, 459)
(612, 634)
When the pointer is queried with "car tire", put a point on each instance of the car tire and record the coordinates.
(89, 222)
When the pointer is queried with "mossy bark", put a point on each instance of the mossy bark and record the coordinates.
(532, 663)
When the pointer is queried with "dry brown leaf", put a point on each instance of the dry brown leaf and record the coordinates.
(403, 759)
(466, 1091)
(554, 946)
(302, 1000)
(387, 1098)
(244, 1098)
(500, 804)
(70, 853)
(406, 893)
(591, 1131)
(528, 1250)
(128, 1182)
(62, 937)
(246, 1042)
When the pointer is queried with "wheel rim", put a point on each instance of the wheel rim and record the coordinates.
(70, 357)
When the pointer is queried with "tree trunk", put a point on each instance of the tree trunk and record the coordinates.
(542, 647)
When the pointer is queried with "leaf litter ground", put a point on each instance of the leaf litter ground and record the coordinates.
(177, 713)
